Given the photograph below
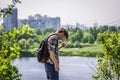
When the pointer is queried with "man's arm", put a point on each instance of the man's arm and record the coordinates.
(52, 57)
(63, 44)
(52, 42)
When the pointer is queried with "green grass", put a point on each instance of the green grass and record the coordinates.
(86, 51)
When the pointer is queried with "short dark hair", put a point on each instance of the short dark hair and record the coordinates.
(64, 31)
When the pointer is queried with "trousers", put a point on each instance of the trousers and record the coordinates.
(50, 72)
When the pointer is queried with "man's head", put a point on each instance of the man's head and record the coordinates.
(63, 33)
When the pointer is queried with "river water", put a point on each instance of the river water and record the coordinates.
(71, 68)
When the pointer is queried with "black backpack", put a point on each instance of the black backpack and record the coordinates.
(42, 51)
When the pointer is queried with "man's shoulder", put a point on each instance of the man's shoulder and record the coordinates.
(53, 36)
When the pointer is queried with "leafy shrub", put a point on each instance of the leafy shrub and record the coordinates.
(10, 49)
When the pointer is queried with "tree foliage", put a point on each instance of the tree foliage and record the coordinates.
(76, 37)
(10, 49)
(109, 64)
(4, 12)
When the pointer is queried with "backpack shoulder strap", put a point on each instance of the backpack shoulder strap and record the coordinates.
(57, 40)
(50, 36)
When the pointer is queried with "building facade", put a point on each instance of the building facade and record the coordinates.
(11, 20)
(41, 22)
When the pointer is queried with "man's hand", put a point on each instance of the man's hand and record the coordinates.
(63, 44)
(56, 66)
(54, 60)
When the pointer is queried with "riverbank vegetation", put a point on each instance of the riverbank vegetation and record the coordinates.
(80, 43)
(85, 52)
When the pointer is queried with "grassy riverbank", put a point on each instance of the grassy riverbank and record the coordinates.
(86, 51)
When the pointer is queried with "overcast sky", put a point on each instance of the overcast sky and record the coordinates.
(71, 11)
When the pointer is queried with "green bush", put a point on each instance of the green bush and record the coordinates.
(109, 64)
(10, 49)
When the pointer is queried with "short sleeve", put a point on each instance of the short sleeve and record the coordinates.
(52, 42)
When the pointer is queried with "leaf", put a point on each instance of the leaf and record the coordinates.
(2, 10)
(11, 48)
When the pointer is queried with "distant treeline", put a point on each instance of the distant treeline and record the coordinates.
(77, 38)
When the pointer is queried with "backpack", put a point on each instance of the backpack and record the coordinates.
(42, 51)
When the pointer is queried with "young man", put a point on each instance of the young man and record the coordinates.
(52, 65)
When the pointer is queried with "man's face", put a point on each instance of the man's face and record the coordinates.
(62, 36)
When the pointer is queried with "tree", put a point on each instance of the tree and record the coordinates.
(109, 63)
(72, 38)
(10, 49)
(91, 39)
(112, 29)
(85, 39)
(77, 44)
(76, 36)
(49, 30)
(88, 38)
(103, 28)
(4, 12)
(79, 34)
(39, 32)
(24, 44)
(94, 32)
(118, 28)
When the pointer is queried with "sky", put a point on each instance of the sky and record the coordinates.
(87, 12)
